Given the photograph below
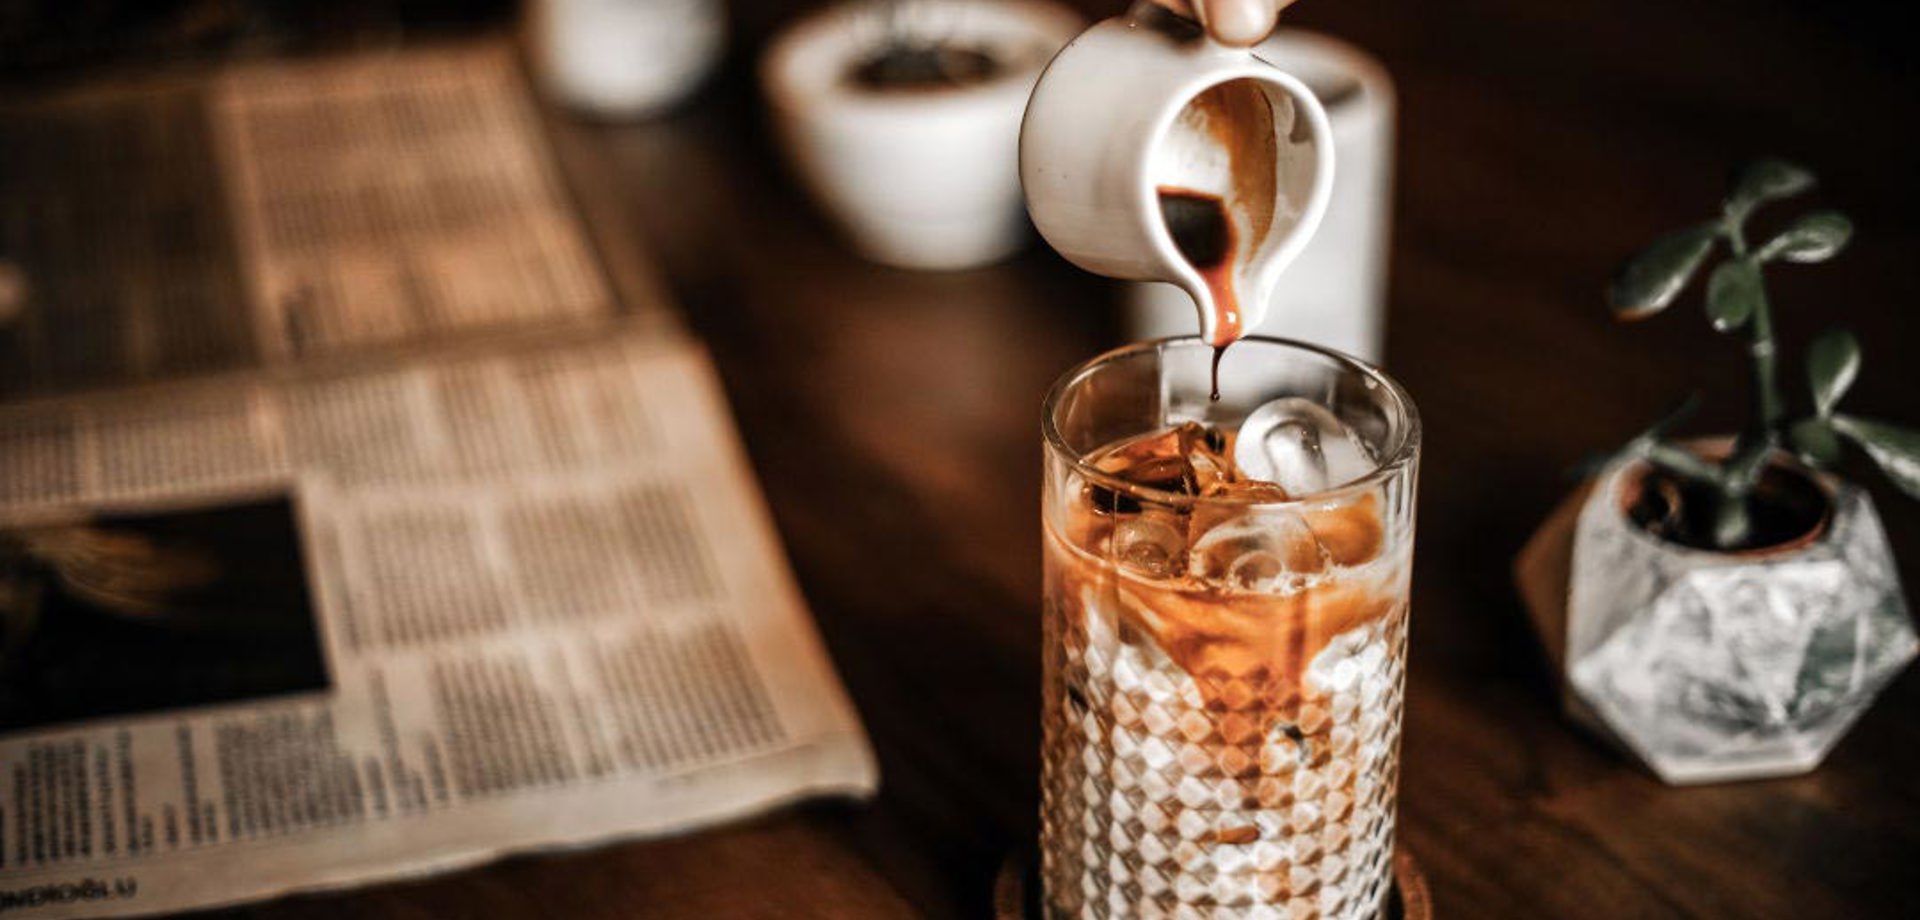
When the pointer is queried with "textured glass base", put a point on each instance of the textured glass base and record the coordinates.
(1157, 804)
(1716, 667)
(1016, 891)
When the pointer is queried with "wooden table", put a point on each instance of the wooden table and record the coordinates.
(893, 420)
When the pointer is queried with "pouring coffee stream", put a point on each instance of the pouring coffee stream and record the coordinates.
(1222, 146)
(1203, 232)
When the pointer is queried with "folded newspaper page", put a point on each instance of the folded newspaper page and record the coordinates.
(395, 198)
(277, 636)
(275, 212)
(307, 583)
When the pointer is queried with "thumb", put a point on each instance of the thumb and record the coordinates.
(1232, 22)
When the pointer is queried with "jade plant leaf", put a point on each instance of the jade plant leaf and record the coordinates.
(1767, 180)
(1816, 237)
(1833, 361)
(1895, 449)
(1673, 418)
(1654, 446)
(1814, 441)
(1651, 279)
(1680, 461)
(1733, 293)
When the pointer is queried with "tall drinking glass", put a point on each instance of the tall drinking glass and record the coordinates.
(1225, 632)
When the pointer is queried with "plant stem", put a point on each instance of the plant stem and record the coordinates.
(1762, 434)
(1741, 471)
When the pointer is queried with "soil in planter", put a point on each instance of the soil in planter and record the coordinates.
(909, 67)
(1786, 506)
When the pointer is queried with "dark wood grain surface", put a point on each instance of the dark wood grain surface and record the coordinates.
(892, 417)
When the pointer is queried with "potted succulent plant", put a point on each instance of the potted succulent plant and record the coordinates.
(1732, 605)
(902, 118)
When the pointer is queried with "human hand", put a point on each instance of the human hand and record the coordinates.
(1232, 22)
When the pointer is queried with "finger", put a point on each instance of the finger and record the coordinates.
(1240, 22)
(1247, 22)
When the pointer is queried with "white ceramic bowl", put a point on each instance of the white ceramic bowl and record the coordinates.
(917, 177)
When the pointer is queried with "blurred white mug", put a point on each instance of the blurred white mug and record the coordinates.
(624, 58)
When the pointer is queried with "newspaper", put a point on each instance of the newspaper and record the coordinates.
(291, 615)
(310, 632)
(272, 213)
(372, 194)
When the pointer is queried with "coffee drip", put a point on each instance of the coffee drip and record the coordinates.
(1203, 233)
(1220, 214)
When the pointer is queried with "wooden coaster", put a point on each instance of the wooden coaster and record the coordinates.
(1016, 893)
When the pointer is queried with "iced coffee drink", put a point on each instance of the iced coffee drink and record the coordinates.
(1226, 624)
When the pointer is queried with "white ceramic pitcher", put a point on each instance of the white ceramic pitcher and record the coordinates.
(1144, 103)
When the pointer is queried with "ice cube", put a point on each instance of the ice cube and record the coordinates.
(1152, 543)
(1262, 550)
(1205, 451)
(1300, 446)
(1188, 458)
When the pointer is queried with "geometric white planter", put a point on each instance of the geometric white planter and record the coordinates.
(1713, 666)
